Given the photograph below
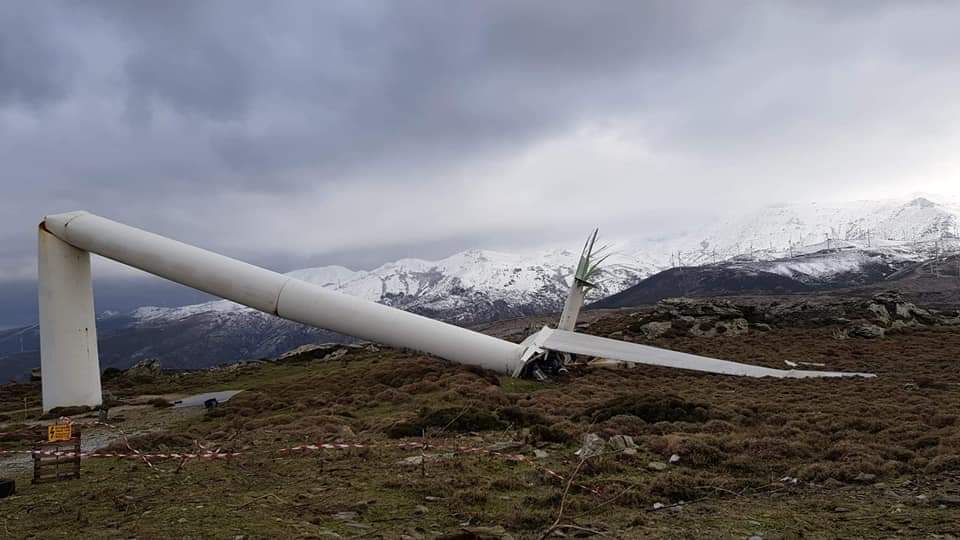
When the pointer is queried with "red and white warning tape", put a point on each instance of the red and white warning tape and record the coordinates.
(217, 455)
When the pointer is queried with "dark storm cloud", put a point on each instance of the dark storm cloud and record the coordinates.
(287, 131)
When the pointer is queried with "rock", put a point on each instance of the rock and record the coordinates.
(674, 459)
(621, 442)
(924, 316)
(616, 335)
(732, 327)
(866, 331)
(832, 483)
(950, 501)
(865, 478)
(950, 321)
(339, 353)
(655, 329)
(540, 454)
(763, 327)
(755, 537)
(345, 516)
(505, 445)
(303, 350)
(657, 506)
(879, 313)
(630, 452)
(592, 445)
(411, 461)
(657, 466)
(420, 509)
(148, 368)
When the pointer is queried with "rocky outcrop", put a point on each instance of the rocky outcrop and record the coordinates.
(687, 317)
(145, 369)
(870, 318)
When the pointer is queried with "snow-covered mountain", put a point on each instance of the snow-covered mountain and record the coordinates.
(468, 287)
(813, 245)
(923, 225)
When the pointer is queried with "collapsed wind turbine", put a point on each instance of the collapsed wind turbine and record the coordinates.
(68, 335)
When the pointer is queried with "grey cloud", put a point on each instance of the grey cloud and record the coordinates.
(267, 117)
(324, 86)
(34, 67)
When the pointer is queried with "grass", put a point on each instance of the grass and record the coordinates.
(863, 451)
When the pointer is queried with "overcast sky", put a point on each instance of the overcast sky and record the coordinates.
(304, 133)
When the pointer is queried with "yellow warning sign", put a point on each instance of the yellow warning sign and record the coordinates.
(59, 432)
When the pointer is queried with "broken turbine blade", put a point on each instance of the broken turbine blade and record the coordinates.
(564, 341)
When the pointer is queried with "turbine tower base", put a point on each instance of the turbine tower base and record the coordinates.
(69, 359)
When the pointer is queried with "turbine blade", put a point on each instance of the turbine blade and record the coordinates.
(587, 345)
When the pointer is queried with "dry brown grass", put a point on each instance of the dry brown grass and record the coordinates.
(735, 437)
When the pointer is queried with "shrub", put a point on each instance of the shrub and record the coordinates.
(650, 408)
(452, 419)
(160, 403)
